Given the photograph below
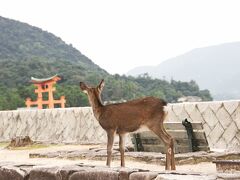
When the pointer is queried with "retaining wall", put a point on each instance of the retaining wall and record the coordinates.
(220, 119)
(221, 122)
(63, 125)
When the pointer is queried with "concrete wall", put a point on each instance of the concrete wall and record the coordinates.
(69, 125)
(220, 119)
(221, 122)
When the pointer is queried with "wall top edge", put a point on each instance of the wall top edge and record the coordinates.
(204, 102)
(55, 109)
(87, 107)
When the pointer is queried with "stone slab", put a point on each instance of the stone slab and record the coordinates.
(143, 176)
(94, 175)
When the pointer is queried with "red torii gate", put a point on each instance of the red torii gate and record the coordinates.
(45, 86)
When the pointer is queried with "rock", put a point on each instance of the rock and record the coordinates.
(45, 173)
(66, 171)
(143, 176)
(227, 165)
(228, 176)
(95, 175)
(20, 141)
(181, 175)
(7, 173)
(124, 173)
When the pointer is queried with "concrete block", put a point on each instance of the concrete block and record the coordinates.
(196, 116)
(177, 108)
(189, 107)
(238, 135)
(171, 116)
(229, 176)
(66, 171)
(236, 116)
(230, 132)
(125, 173)
(184, 177)
(206, 129)
(202, 106)
(45, 173)
(231, 106)
(8, 173)
(223, 117)
(220, 144)
(143, 176)
(95, 175)
(215, 106)
(216, 133)
(210, 117)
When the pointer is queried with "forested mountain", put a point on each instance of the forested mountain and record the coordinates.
(215, 68)
(27, 51)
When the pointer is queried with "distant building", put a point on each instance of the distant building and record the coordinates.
(189, 99)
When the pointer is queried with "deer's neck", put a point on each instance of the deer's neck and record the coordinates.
(97, 105)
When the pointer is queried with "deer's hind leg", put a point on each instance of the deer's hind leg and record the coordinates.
(122, 149)
(159, 130)
(173, 166)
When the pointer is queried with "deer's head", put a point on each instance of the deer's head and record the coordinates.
(94, 93)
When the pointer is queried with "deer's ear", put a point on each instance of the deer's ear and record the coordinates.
(101, 85)
(83, 86)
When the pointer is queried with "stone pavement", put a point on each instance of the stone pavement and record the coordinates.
(36, 169)
(146, 157)
(26, 171)
(13, 171)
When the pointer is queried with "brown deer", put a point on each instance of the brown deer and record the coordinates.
(128, 117)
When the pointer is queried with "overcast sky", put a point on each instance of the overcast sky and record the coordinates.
(120, 35)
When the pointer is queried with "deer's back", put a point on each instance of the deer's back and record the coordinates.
(129, 116)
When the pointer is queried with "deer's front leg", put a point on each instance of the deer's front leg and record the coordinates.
(110, 136)
(121, 148)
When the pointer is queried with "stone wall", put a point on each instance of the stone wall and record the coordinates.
(220, 119)
(69, 125)
(221, 122)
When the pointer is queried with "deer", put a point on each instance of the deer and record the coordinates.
(126, 117)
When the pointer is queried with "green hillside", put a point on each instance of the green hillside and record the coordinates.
(27, 51)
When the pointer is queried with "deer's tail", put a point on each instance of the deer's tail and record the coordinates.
(165, 110)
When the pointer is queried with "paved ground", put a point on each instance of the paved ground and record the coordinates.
(22, 156)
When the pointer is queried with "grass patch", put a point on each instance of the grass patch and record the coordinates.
(29, 147)
(4, 144)
(35, 145)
